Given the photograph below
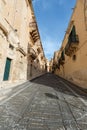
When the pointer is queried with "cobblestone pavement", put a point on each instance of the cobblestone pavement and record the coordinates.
(47, 103)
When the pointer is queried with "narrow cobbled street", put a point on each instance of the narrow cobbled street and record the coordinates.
(46, 103)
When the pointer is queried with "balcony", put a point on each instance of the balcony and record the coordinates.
(33, 24)
(58, 66)
(20, 49)
(33, 54)
(68, 52)
(72, 45)
(34, 30)
(54, 67)
(61, 60)
(35, 35)
(73, 41)
(39, 50)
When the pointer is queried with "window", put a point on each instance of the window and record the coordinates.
(74, 57)
(72, 36)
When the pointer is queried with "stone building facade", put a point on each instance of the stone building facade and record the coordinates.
(36, 57)
(72, 57)
(17, 39)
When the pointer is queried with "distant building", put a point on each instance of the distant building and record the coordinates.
(51, 65)
(47, 65)
(55, 61)
(72, 60)
(21, 52)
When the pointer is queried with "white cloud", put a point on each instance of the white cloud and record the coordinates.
(49, 47)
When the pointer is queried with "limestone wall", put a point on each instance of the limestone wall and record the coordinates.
(15, 16)
(75, 67)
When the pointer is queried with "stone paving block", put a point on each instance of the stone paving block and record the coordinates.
(46, 105)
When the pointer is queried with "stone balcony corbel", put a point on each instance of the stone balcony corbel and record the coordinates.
(72, 46)
(34, 30)
(40, 57)
(35, 35)
(20, 49)
(32, 53)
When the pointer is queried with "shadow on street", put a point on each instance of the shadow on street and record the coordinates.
(55, 82)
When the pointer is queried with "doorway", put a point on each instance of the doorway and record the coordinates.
(7, 69)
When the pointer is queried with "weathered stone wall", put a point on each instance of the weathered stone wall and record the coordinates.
(76, 68)
(15, 16)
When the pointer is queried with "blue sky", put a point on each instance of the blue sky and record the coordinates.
(52, 18)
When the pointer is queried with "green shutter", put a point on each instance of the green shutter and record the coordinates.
(7, 69)
(72, 36)
(73, 31)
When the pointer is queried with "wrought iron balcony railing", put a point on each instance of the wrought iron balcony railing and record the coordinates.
(72, 45)
(74, 40)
